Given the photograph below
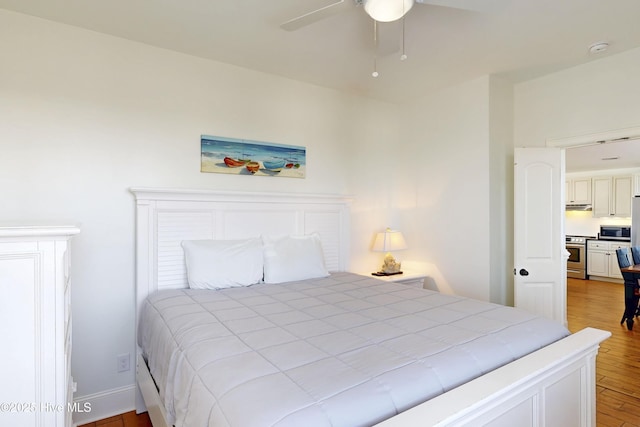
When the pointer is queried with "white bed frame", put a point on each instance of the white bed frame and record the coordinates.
(554, 386)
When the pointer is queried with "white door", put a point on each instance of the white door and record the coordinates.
(539, 240)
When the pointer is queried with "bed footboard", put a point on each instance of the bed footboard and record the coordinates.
(555, 386)
(152, 402)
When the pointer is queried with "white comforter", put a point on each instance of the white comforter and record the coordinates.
(345, 350)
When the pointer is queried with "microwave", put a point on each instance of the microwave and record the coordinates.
(615, 232)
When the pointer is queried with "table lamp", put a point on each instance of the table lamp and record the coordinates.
(389, 241)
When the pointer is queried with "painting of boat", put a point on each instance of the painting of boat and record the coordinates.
(253, 167)
(233, 163)
(251, 158)
(273, 165)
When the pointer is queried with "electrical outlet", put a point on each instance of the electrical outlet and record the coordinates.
(124, 362)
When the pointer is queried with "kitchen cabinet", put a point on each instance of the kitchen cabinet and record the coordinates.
(636, 187)
(612, 196)
(602, 260)
(578, 191)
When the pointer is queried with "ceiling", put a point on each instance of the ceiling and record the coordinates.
(515, 39)
(612, 155)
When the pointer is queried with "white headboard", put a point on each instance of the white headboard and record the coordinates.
(165, 217)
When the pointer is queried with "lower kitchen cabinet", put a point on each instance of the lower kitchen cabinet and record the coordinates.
(602, 260)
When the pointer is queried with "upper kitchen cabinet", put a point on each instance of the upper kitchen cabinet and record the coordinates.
(578, 191)
(612, 196)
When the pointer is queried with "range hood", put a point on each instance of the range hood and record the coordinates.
(579, 207)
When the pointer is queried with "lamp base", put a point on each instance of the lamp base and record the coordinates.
(382, 273)
(390, 266)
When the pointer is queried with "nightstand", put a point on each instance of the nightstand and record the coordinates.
(408, 277)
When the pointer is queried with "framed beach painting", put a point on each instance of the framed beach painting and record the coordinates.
(243, 157)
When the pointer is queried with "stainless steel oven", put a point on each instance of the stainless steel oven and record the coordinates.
(577, 261)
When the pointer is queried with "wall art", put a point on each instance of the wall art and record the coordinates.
(244, 157)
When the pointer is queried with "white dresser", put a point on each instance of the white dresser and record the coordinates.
(36, 387)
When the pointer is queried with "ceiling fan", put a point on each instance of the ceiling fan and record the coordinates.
(382, 11)
(378, 10)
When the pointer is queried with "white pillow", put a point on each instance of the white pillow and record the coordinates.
(217, 264)
(292, 258)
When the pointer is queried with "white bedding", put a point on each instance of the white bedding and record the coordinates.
(345, 350)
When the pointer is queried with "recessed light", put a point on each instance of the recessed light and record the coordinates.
(598, 47)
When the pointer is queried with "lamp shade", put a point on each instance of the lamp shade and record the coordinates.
(387, 10)
(388, 241)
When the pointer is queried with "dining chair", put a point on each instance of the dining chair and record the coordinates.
(635, 254)
(631, 288)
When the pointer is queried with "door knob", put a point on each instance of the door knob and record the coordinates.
(523, 272)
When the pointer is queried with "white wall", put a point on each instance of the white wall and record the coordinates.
(372, 162)
(442, 186)
(501, 162)
(596, 97)
(446, 184)
(86, 116)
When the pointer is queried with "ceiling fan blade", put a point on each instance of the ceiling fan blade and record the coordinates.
(472, 5)
(316, 15)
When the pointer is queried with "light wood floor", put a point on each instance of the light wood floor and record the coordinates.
(600, 305)
(589, 303)
(130, 419)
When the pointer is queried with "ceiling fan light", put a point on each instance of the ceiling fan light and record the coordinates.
(387, 10)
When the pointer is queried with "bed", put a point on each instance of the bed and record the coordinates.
(536, 379)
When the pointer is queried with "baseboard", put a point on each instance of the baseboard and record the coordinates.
(605, 279)
(103, 405)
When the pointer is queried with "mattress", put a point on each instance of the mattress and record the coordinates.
(346, 350)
